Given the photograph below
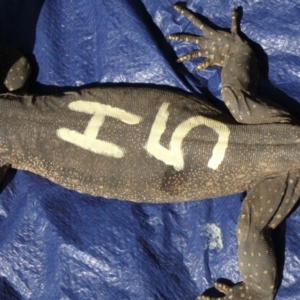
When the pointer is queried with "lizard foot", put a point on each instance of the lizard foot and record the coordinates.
(216, 45)
(236, 292)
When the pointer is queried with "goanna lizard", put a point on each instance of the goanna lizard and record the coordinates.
(154, 145)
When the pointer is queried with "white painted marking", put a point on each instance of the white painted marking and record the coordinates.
(88, 140)
(174, 155)
(214, 235)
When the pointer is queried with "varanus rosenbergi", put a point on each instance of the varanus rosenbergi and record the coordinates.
(154, 145)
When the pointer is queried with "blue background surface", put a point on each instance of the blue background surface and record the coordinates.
(58, 244)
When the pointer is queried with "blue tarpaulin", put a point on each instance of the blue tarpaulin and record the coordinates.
(58, 244)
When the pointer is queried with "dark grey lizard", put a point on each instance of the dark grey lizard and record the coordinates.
(153, 145)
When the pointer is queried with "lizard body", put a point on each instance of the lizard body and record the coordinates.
(40, 141)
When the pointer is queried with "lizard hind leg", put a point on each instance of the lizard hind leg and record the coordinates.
(267, 204)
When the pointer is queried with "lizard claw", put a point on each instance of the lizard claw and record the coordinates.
(234, 21)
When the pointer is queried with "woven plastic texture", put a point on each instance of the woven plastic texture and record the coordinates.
(58, 244)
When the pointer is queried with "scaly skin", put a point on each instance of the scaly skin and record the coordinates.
(152, 145)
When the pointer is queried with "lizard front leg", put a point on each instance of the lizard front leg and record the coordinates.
(240, 72)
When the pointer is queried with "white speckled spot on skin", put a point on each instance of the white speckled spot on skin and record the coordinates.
(214, 235)
(88, 140)
(174, 155)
